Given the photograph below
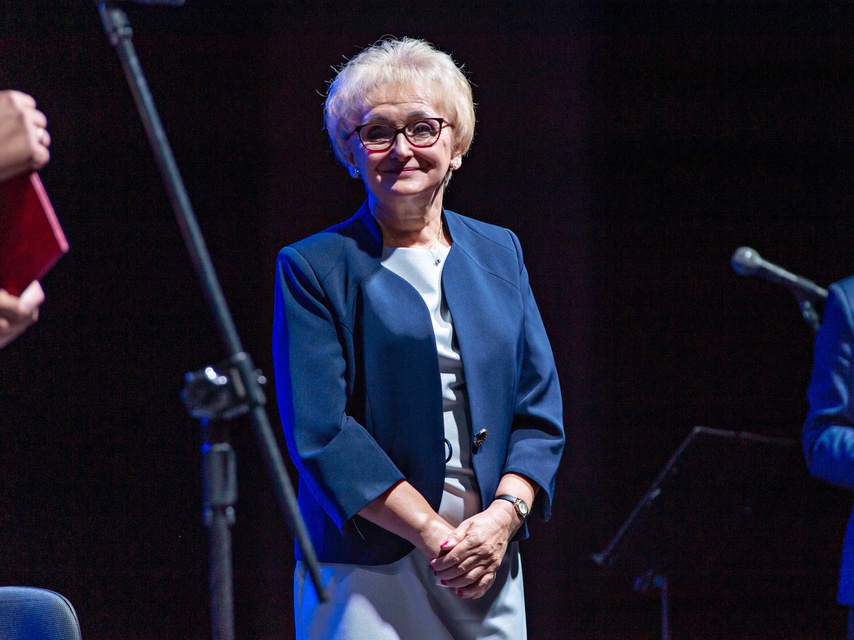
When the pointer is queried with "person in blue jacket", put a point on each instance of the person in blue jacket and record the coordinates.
(416, 384)
(828, 435)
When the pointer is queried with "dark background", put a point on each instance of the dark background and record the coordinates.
(631, 145)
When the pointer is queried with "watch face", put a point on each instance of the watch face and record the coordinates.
(522, 508)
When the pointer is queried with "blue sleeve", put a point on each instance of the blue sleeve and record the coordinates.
(828, 435)
(338, 460)
(537, 439)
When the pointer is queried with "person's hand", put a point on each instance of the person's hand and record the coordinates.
(18, 313)
(473, 552)
(432, 536)
(24, 139)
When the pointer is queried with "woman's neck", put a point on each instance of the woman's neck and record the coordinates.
(409, 226)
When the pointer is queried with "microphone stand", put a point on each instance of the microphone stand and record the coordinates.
(214, 394)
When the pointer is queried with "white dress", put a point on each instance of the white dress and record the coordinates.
(403, 600)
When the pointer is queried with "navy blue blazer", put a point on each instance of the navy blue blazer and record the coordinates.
(358, 384)
(828, 435)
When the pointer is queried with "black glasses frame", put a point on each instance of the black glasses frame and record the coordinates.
(402, 130)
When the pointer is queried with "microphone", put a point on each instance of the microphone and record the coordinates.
(746, 262)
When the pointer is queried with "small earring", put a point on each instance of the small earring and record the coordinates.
(455, 163)
(354, 173)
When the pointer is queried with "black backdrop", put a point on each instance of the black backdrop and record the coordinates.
(631, 145)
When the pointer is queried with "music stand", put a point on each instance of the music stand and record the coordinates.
(703, 509)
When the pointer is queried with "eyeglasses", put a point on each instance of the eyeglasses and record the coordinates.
(420, 133)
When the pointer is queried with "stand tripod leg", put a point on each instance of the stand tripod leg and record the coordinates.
(661, 583)
(219, 487)
(222, 602)
(651, 578)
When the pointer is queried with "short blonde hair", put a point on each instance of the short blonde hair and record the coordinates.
(401, 63)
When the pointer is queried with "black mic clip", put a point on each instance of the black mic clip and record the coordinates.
(808, 310)
(222, 392)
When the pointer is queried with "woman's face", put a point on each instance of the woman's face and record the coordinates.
(402, 175)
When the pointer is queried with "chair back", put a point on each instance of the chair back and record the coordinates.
(28, 613)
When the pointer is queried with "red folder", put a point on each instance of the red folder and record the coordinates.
(31, 240)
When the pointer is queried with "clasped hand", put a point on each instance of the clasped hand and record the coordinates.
(470, 557)
(16, 314)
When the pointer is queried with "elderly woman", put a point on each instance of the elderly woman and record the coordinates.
(416, 384)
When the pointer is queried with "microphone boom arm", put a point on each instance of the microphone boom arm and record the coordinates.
(221, 461)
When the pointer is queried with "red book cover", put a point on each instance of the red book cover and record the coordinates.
(31, 240)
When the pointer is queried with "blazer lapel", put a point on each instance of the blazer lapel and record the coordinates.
(487, 317)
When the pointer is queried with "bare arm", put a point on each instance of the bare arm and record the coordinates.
(402, 510)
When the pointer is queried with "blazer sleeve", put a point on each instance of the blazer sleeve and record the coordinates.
(338, 460)
(537, 438)
(828, 434)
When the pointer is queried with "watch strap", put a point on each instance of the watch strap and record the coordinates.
(523, 513)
